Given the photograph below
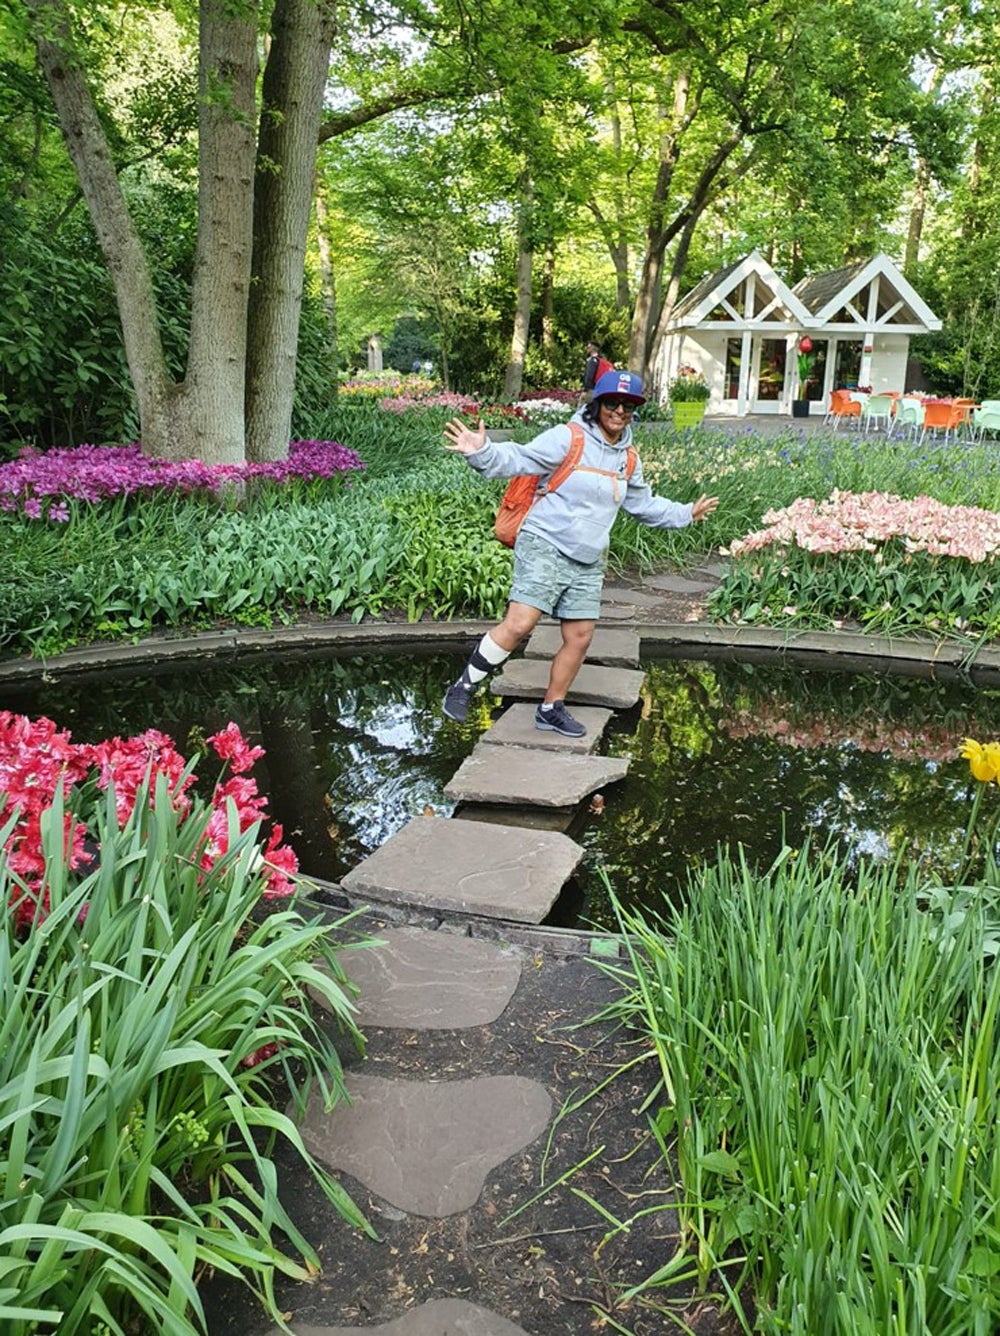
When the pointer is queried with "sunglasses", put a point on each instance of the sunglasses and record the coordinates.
(619, 406)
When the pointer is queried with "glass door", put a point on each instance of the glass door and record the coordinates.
(770, 358)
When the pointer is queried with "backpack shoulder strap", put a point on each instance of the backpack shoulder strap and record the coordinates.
(631, 459)
(571, 459)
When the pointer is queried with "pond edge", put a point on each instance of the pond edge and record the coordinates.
(837, 650)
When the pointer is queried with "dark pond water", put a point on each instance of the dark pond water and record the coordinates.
(720, 753)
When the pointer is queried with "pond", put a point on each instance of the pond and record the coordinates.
(720, 753)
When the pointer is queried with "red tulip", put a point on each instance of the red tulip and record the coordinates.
(805, 344)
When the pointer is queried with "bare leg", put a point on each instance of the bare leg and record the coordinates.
(521, 620)
(576, 637)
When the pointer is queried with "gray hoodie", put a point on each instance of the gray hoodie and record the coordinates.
(577, 518)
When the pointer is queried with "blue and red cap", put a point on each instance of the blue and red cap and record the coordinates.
(620, 384)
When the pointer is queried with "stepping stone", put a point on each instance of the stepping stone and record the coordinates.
(426, 1146)
(532, 818)
(529, 679)
(636, 598)
(679, 584)
(438, 1317)
(418, 980)
(469, 867)
(516, 728)
(521, 775)
(614, 648)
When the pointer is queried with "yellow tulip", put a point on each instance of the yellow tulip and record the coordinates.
(984, 761)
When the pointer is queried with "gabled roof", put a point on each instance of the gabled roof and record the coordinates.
(777, 303)
(707, 285)
(817, 291)
(866, 295)
(831, 297)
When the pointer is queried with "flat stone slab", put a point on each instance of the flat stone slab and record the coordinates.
(520, 775)
(439, 1317)
(532, 818)
(426, 1146)
(680, 584)
(420, 980)
(636, 598)
(469, 866)
(529, 679)
(614, 648)
(516, 728)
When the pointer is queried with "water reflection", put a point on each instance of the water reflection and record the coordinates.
(719, 753)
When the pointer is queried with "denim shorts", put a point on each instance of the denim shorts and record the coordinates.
(559, 586)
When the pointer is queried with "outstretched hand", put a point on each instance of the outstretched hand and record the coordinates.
(703, 507)
(463, 439)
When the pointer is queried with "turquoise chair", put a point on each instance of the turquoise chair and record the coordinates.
(876, 409)
(984, 417)
(985, 420)
(909, 417)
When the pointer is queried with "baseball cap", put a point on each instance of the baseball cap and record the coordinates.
(622, 384)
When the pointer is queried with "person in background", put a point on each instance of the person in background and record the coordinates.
(590, 370)
(561, 551)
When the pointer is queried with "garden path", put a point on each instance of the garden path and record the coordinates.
(478, 1137)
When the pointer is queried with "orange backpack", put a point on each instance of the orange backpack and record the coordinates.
(524, 491)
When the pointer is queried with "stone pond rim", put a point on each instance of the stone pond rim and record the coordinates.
(838, 650)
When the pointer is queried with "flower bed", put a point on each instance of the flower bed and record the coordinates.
(872, 559)
(853, 522)
(39, 484)
(40, 763)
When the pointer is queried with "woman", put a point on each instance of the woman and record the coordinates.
(561, 551)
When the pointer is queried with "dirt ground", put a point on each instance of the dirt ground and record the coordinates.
(539, 1247)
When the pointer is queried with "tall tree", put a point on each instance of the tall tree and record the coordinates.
(291, 105)
(746, 92)
(203, 415)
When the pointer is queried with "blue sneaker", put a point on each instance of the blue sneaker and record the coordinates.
(456, 701)
(555, 718)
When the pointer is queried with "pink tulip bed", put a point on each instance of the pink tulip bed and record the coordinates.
(872, 560)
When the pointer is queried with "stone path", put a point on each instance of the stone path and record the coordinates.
(426, 1147)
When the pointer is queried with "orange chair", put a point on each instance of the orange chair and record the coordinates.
(967, 406)
(947, 416)
(841, 406)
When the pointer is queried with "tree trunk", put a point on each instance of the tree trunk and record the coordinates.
(202, 417)
(619, 247)
(669, 302)
(548, 293)
(514, 376)
(214, 387)
(294, 80)
(327, 278)
(119, 241)
(918, 208)
(647, 295)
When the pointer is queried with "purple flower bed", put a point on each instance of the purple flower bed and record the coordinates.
(98, 472)
(561, 396)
